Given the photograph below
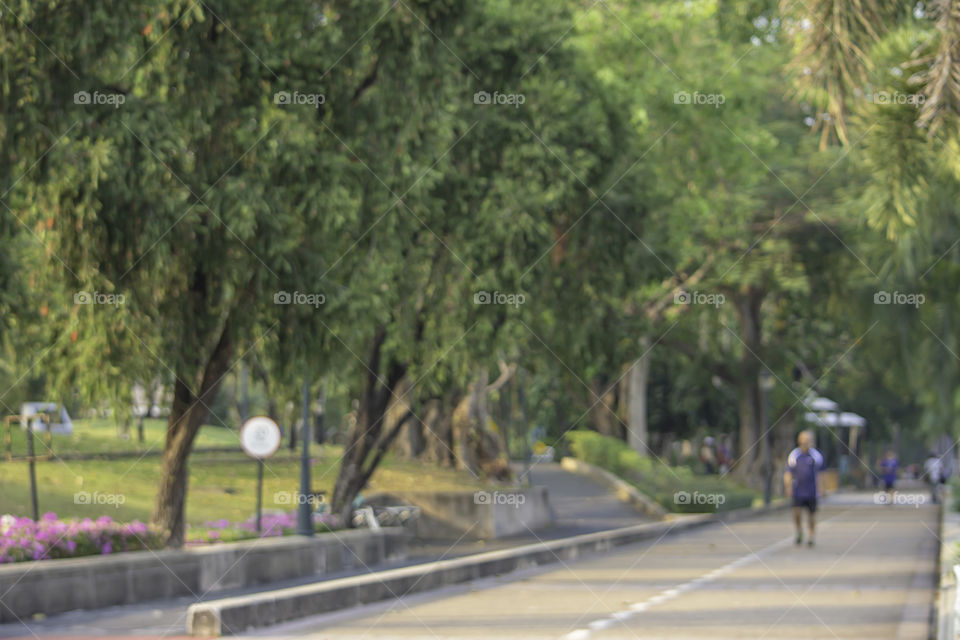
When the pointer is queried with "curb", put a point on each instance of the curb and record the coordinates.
(948, 535)
(624, 491)
(230, 616)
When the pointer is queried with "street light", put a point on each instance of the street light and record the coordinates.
(304, 505)
(766, 384)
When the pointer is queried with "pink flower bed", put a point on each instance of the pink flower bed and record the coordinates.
(49, 537)
(273, 524)
(22, 539)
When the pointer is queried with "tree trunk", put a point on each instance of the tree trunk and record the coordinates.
(367, 442)
(438, 447)
(292, 439)
(749, 398)
(506, 418)
(638, 378)
(464, 427)
(603, 398)
(320, 415)
(187, 415)
(408, 443)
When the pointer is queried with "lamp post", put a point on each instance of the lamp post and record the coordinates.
(766, 384)
(304, 504)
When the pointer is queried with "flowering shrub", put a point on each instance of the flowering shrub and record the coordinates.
(23, 539)
(271, 524)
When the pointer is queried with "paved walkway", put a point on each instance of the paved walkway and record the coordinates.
(871, 575)
(580, 505)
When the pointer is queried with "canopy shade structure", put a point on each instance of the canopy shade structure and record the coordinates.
(831, 419)
(823, 420)
(850, 419)
(821, 404)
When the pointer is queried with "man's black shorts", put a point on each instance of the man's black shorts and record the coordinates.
(809, 503)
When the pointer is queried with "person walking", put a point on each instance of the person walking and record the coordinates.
(803, 463)
(888, 468)
(707, 457)
(933, 471)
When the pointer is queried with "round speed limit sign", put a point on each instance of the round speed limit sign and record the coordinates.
(260, 437)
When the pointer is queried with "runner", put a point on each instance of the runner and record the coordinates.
(889, 469)
(803, 464)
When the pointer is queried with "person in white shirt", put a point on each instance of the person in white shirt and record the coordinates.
(933, 471)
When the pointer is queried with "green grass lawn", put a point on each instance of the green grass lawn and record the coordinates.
(221, 485)
(100, 436)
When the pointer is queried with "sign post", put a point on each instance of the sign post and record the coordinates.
(33, 470)
(260, 439)
(304, 508)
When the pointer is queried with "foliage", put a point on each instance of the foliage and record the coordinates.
(271, 525)
(670, 486)
(49, 538)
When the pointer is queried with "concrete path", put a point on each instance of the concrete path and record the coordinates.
(871, 575)
(581, 506)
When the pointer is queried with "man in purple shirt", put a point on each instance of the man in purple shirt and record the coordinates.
(803, 463)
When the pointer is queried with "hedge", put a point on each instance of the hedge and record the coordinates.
(675, 488)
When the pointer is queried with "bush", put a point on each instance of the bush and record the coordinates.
(675, 488)
(271, 525)
(22, 539)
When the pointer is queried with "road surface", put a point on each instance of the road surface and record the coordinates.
(580, 506)
(870, 575)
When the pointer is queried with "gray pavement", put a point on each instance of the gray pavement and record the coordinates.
(580, 506)
(871, 575)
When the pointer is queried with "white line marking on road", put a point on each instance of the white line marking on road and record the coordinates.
(672, 592)
(668, 594)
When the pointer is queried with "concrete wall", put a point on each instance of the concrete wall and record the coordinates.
(475, 515)
(54, 586)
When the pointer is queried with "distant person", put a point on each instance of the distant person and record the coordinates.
(707, 456)
(803, 464)
(933, 471)
(723, 458)
(888, 469)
